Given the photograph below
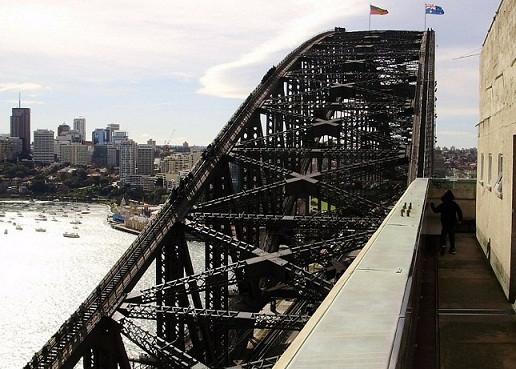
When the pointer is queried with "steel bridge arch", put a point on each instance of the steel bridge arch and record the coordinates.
(290, 189)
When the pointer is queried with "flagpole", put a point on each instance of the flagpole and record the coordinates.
(424, 28)
(369, 17)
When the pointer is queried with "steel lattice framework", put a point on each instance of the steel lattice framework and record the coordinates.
(294, 184)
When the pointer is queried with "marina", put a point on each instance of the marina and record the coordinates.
(52, 271)
(41, 267)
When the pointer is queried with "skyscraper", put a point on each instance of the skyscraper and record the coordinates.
(98, 136)
(79, 125)
(145, 160)
(128, 154)
(112, 127)
(20, 127)
(63, 128)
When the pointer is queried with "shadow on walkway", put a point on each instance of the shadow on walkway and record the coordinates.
(476, 323)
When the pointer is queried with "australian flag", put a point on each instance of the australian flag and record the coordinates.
(433, 9)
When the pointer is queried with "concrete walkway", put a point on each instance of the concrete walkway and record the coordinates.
(476, 323)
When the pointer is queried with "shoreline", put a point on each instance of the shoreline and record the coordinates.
(121, 227)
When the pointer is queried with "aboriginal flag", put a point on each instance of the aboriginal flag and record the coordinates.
(377, 11)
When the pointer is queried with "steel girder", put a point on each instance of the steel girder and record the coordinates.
(286, 194)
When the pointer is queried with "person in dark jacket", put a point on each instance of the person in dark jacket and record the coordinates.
(451, 215)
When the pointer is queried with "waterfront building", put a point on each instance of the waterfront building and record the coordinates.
(146, 183)
(79, 125)
(496, 182)
(43, 148)
(20, 127)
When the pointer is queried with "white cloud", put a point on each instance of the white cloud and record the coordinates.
(25, 103)
(100, 58)
(227, 79)
(24, 86)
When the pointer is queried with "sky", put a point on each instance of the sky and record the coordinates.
(175, 71)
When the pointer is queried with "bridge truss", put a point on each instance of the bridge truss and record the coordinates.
(286, 194)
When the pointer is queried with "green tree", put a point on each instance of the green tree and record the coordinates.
(38, 186)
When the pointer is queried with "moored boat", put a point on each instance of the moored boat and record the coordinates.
(71, 234)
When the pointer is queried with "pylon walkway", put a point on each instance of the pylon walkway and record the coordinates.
(477, 325)
(469, 324)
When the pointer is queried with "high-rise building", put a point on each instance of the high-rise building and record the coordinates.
(98, 136)
(118, 137)
(145, 160)
(112, 127)
(104, 156)
(128, 153)
(152, 143)
(62, 128)
(20, 127)
(79, 125)
(43, 149)
(112, 157)
(99, 156)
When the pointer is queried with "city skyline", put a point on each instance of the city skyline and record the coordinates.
(177, 72)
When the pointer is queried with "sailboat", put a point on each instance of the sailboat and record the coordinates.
(75, 221)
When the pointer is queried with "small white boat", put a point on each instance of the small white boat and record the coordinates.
(5, 231)
(40, 229)
(71, 234)
(19, 228)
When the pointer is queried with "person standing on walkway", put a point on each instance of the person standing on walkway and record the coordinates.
(451, 215)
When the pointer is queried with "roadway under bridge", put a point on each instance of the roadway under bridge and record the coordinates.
(291, 188)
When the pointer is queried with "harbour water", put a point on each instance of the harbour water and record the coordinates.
(45, 276)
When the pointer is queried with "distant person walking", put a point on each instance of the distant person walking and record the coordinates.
(451, 215)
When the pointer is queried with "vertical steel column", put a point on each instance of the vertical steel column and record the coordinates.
(105, 348)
